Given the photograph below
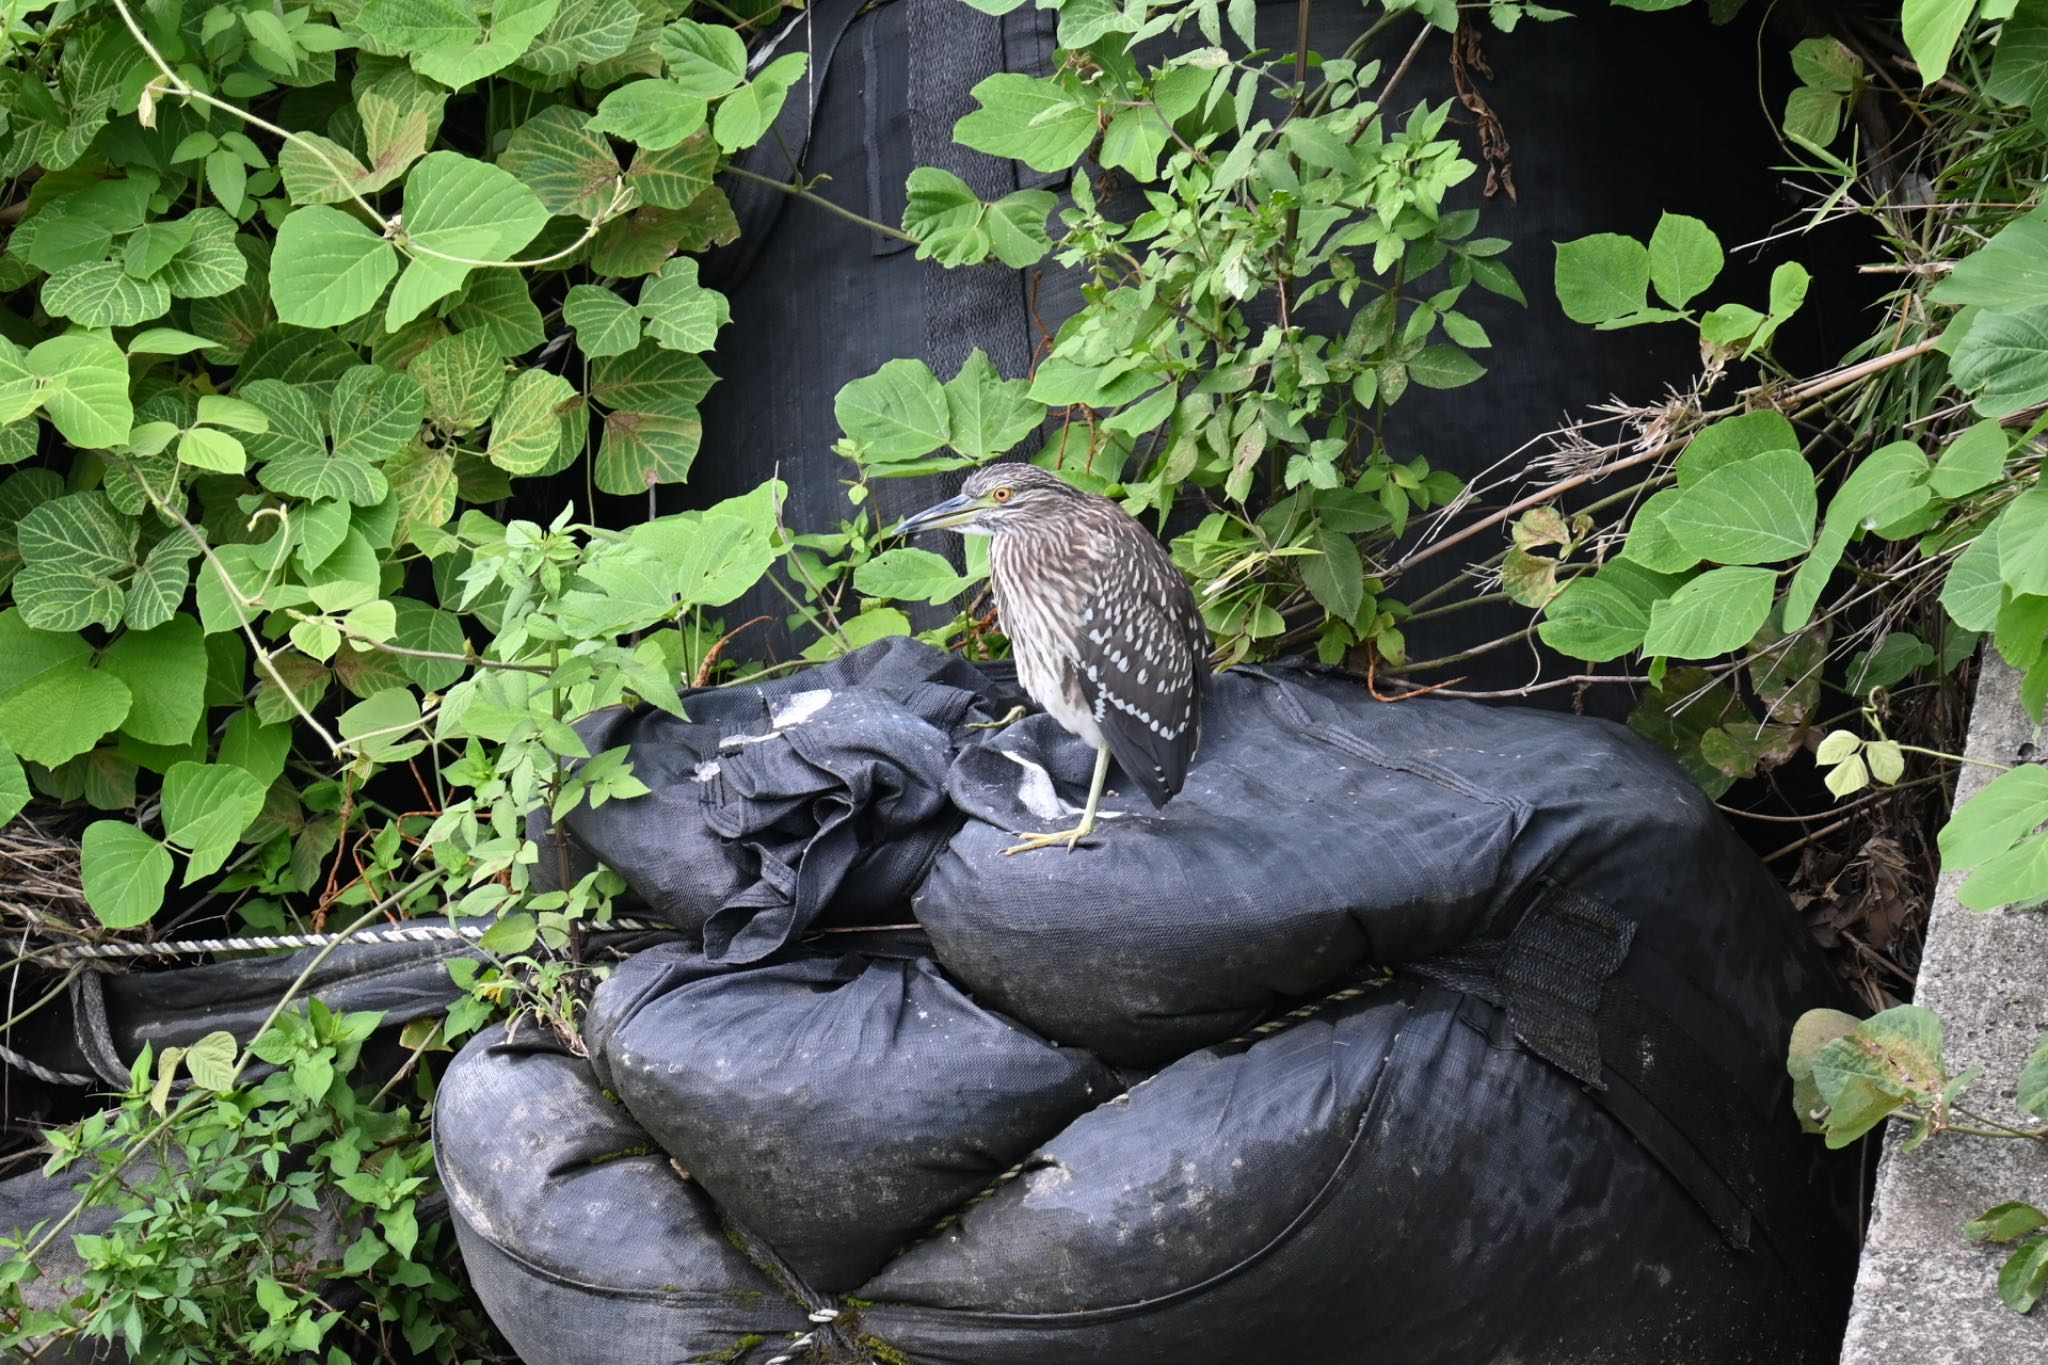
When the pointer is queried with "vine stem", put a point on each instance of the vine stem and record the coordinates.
(798, 191)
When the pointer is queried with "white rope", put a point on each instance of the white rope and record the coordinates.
(405, 933)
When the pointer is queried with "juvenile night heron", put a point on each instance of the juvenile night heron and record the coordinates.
(1105, 631)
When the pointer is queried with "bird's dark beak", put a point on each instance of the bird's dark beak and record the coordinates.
(956, 511)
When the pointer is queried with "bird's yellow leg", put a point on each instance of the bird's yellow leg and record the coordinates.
(1016, 714)
(1071, 837)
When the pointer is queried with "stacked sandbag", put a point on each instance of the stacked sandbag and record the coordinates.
(1406, 1033)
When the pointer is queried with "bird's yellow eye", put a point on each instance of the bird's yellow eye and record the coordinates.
(1001, 495)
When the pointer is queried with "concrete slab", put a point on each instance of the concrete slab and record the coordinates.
(1924, 1296)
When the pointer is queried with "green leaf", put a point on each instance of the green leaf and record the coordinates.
(1889, 1060)
(430, 628)
(1886, 484)
(2003, 360)
(986, 414)
(54, 705)
(897, 413)
(1814, 1030)
(14, 793)
(165, 670)
(514, 24)
(1030, 119)
(1602, 277)
(1972, 461)
(675, 178)
(945, 217)
(744, 115)
(1719, 611)
(2010, 271)
(124, 872)
(420, 24)
(1758, 510)
(2019, 69)
(20, 394)
(1016, 227)
(1444, 367)
(641, 449)
(257, 749)
(499, 304)
(206, 808)
(1334, 575)
(1895, 657)
(605, 324)
(102, 294)
(511, 935)
(708, 60)
(374, 412)
(211, 1061)
(460, 208)
(327, 268)
(2032, 1095)
(2022, 542)
(652, 379)
(210, 263)
(295, 455)
(681, 314)
(1685, 258)
(1930, 28)
(401, 113)
(908, 574)
(1650, 542)
(385, 727)
(653, 113)
(75, 551)
(220, 411)
(569, 166)
(463, 378)
(527, 428)
(319, 170)
(583, 33)
(2024, 1276)
(84, 389)
(1602, 616)
(1827, 64)
(716, 556)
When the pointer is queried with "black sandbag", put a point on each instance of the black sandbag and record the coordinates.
(1391, 1182)
(1320, 829)
(836, 1105)
(783, 803)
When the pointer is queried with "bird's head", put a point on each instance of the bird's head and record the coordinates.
(998, 498)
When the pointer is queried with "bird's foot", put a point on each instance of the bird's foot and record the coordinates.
(1069, 837)
(1016, 714)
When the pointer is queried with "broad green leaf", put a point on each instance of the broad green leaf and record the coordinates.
(1896, 656)
(2024, 1276)
(1719, 611)
(708, 60)
(295, 455)
(420, 24)
(908, 574)
(206, 808)
(583, 33)
(85, 389)
(124, 872)
(1028, 118)
(605, 323)
(75, 551)
(327, 268)
(319, 170)
(653, 113)
(385, 727)
(652, 379)
(1759, 510)
(2008, 809)
(514, 24)
(2003, 360)
(401, 113)
(1015, 225)
(221, 411)
(429, 628)
(715, 556)
(1930, 28)
(1651, 543)
(677, 177)
(1602, 277)
(2019, 69)
(54, 705)
(457, 211)
(1814, 1030)
(1602, 616)
(1133, 141)
(1444, 367)
(1685, 258)
(20, 394)
(1889, 1060)
(1827, 64)
(211, 1061)
(897, 413)
(1887, 483)
(257, 749)
(2005, 1223)
(1334, 575)
(375, 412)
(1733, 439)
(987, 414)
(14, 793)
(944, 215)
(1814, 115)
(499, 303)
(205, 448)
(682, 314)
(463, 378)
(569, 167)
(2033, 1086)
(165, 670)
(2022, 542)
(102, 294)
(744, 116)
(641, 449)
(1973, 460)
(2010, 271)
(211, 263)
(527, 428)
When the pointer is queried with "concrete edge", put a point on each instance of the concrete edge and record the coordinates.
(1925, 1296)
